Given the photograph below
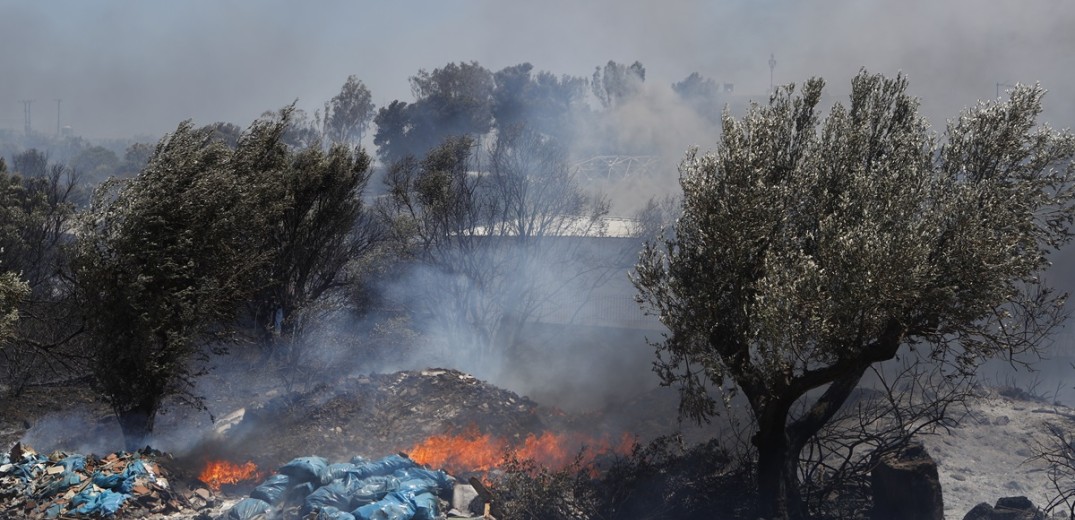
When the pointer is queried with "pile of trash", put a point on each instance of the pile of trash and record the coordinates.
(378, 413)
(393, 488)
(62, 485)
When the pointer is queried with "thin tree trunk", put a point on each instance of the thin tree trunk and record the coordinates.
(136, 425)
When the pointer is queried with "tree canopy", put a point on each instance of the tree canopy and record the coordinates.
(453, 100)
(164, 259)
(616, 82)
(348, 114)
(807, 251)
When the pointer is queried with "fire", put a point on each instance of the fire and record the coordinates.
(219, 472)
(474, 452)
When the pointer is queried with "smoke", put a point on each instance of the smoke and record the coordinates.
(126, 68)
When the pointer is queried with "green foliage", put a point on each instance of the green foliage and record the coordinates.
(540, 102)
(163, 261)
(806, 252)
(702, 94)
(529, 491)
(12, 292)
(455, 100)
(319, 228)
(36, 215)
(348, 114)
(95, 163)
(617, 83)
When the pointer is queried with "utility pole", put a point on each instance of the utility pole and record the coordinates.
(26, 114)
(1002, 85)
(772, 66)
(58, 100)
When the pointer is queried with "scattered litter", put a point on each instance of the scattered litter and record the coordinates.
(62, 485)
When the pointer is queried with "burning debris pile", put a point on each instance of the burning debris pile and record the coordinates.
(386, 413)
(441, 419)
(62, 485)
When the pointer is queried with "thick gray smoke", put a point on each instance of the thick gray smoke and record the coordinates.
(124, 67)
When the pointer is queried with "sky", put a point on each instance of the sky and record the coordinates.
(128, 68)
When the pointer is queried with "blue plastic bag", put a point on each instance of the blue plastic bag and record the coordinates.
(272, 490)
(66, 480)
(307, 469)
(334, 495)
(74, 462)
(338, 470)
(426, 506)
(385, 466)
(105, 503)
(331, 513)
(444, 483)
(370, 489)
(112, 481)
(391, 507)
(414, 486)
(249, 509)
(135, 469)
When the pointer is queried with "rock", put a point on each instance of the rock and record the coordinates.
(462, 496)
(982, 511)
(1007, 508)
(905, 485)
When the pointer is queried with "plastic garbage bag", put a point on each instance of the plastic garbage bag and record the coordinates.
(359, 459)
(444, 482)
(105, 503)
(340, 469)
(334, 495)
(385, 466)
(135, 469)
(414, 486)
(272, 490)
(66, 480)
(331, 513)
(426, 506)
(74, 462)
(298, 493)
(249, 509)
(112, 481)
(53, 511)
(370, 489)
(307, 469)
(391, 507)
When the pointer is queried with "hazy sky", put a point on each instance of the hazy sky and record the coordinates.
(139, 67)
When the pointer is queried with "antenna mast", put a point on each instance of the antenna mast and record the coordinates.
(26, 114)
(772, 66)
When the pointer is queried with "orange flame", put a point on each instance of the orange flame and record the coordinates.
(220, 472)
(474, 452)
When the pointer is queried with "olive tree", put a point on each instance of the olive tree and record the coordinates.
(320, 227)
(163, 261)
(808, 250)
